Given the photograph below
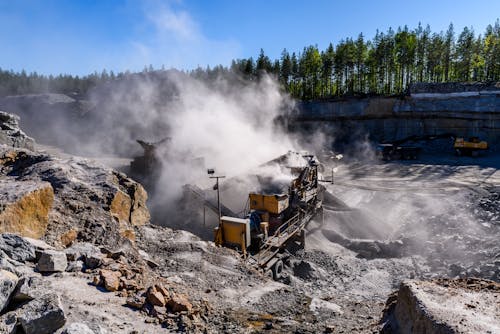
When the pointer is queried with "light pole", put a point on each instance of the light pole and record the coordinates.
(334, 169)
(211, 171)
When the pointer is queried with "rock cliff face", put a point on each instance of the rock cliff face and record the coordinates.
(465, 110)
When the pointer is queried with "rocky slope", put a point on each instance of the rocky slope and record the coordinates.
(88, 217)
(78, 254)
(84, 259)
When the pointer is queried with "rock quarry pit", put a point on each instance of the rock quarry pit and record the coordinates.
(400, 246)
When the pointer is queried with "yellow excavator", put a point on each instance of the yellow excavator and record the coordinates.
(400, 150)
(274, 221)
(473, 147)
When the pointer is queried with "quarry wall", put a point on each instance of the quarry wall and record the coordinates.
(470, 111)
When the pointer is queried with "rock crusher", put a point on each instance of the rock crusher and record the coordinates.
(274, 221)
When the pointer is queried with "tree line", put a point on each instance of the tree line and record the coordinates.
(385, 65)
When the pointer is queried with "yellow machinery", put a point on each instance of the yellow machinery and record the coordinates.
(275, 204)
(234, 232)
(273, 221)
(471, 147)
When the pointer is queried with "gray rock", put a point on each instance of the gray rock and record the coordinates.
(98, 329)
(8, 282)
(11, 134)
(52, 261)
(17, 248)
(78, 328)
(75, 266)
(8, 323)
(39, 245)
(91, 255)
(6, 263)
(29, 288)
(42, 315)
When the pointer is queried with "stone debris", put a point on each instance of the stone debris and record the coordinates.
(52, 261)
(8, 282)
(179, 303)
(86, 252)
(17, 248)
(110, 279)
(136, 301)
(39, 245)
(29, 288)
(43, 315)
(77, 328)
(75, 266)
(155, 297)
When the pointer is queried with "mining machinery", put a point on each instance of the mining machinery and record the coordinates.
(274, 222)
(473, 147)
(401, 150)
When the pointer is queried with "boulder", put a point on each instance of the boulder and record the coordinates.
(17, 248)
(97, 204)
(42, 315)
(164, 291)
(29, 288)
(52, 261)
(443, 306)
(11, 134)
(39, 245)
(75, 266)
(91, 255)
(179, 303)
(25, 207)
(128, 284)
(77, 328)
(8, 282)
(110, 279)
(154, 297)
(136, 301)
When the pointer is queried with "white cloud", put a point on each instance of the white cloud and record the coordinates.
(177, 40)
(180, 24)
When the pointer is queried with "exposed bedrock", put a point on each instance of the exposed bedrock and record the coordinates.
(62, 200)
(475, 112)
(443, 306)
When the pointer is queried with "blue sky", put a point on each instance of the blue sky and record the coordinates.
(83, 36)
